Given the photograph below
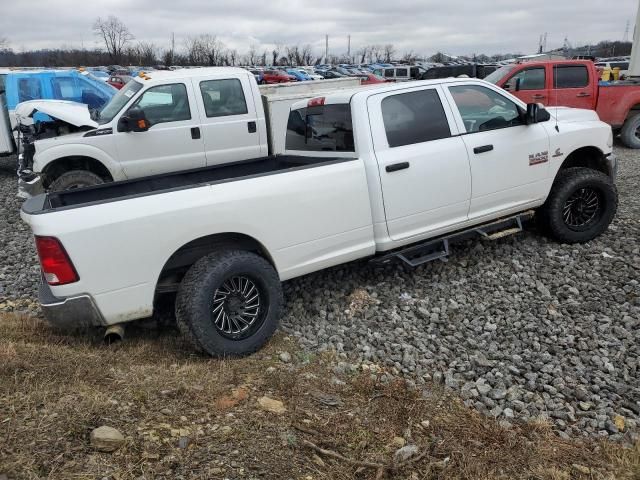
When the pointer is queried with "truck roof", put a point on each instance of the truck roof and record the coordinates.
(161, 76)
(345, 96)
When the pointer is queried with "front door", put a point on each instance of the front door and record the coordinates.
(509, 160)
(173, 141)
(229, 122)
(423, 165)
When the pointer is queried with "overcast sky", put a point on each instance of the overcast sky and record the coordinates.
(422, 26)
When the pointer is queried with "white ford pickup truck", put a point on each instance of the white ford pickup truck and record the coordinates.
(159, 122)
(393, 172)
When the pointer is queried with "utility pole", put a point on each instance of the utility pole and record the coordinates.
(634, 66)
(326, 48)
(625, 37)
(349, 47)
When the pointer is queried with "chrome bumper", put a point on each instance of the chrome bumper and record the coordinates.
(71, 312)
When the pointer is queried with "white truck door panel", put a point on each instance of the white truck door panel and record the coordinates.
(509, 160)
(424, 170)
(173, 142)
(229, 120)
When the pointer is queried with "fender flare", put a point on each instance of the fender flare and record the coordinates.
(46, 157)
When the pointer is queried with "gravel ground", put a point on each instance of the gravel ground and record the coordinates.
(522, 327)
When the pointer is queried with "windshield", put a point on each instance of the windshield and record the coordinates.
(498, 75)
(118, 101)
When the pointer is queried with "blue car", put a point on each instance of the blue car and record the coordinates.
(71, 85)
(300, 76)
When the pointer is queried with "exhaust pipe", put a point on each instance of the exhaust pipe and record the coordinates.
(114, 334)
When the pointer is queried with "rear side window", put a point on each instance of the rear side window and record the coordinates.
(29, 89)
(401, 72)
(223, 97)
(325, 128)
(388, 73)
(414, 117)
(574, 76)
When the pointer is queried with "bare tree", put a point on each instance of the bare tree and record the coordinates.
(205, 49)
(4, 43)
(389, 52)
(146, 53)
(115, 35)
(252, 57)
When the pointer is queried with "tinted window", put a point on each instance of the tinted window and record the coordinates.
(414, 117)
(2, 83)
(530, 79)
(388, 73)
(29, 89)
(323, 128)
(620, 65)
(483, 109)
(401, 72)
(165, 103)
(574, 76)
(223, 97)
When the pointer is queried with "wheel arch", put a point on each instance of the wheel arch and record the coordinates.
(61, 165)
(586, 157)
(182, 258)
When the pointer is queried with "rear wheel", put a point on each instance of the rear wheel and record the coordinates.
(630, 132)
(229, 303)
(75, 179)
(581, 205)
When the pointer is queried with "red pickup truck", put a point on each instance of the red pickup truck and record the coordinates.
(576, 83)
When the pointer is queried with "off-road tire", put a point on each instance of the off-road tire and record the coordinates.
(75, 179)
(194, 302)
(550, 216)
(630, 131)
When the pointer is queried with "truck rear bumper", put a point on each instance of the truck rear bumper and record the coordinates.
(71, 312)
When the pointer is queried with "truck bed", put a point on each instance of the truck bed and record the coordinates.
(110, 192)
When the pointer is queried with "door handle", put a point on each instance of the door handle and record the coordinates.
(583, 94)
(539, 97)
(252, 127)
(397, 166)
(195, 133)
(483, 149)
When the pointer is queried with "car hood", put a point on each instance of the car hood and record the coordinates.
(76, 114)
(572, 115)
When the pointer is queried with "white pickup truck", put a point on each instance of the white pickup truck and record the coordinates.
(160, 122)
(393, 172)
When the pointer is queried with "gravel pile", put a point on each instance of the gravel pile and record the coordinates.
(522, 327)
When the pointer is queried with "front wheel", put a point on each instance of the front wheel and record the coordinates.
(580, 206)
(229, 303)
(75, 179)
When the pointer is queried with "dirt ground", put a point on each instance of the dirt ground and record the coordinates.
(184, 416)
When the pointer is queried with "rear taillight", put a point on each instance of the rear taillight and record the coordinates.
(316, 102)
(56, 265)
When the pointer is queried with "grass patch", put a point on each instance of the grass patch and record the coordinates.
(184, 415)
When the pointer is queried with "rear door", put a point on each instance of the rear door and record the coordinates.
(531, 85)
(571, 87)
(423, 164)
(509, 160)
(228, 119)
(172, 142)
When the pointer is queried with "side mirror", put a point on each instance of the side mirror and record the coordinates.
(536, 113)
(133, 121)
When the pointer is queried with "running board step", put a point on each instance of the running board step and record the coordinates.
(438, 249)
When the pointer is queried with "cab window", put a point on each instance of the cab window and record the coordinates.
(29, 89)
(530, 79)
(414, 117)
(165, 103)
(223, 97)
(570, 76)
(325, 128)
(483, 109)
(389, 73)
(401, 72)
